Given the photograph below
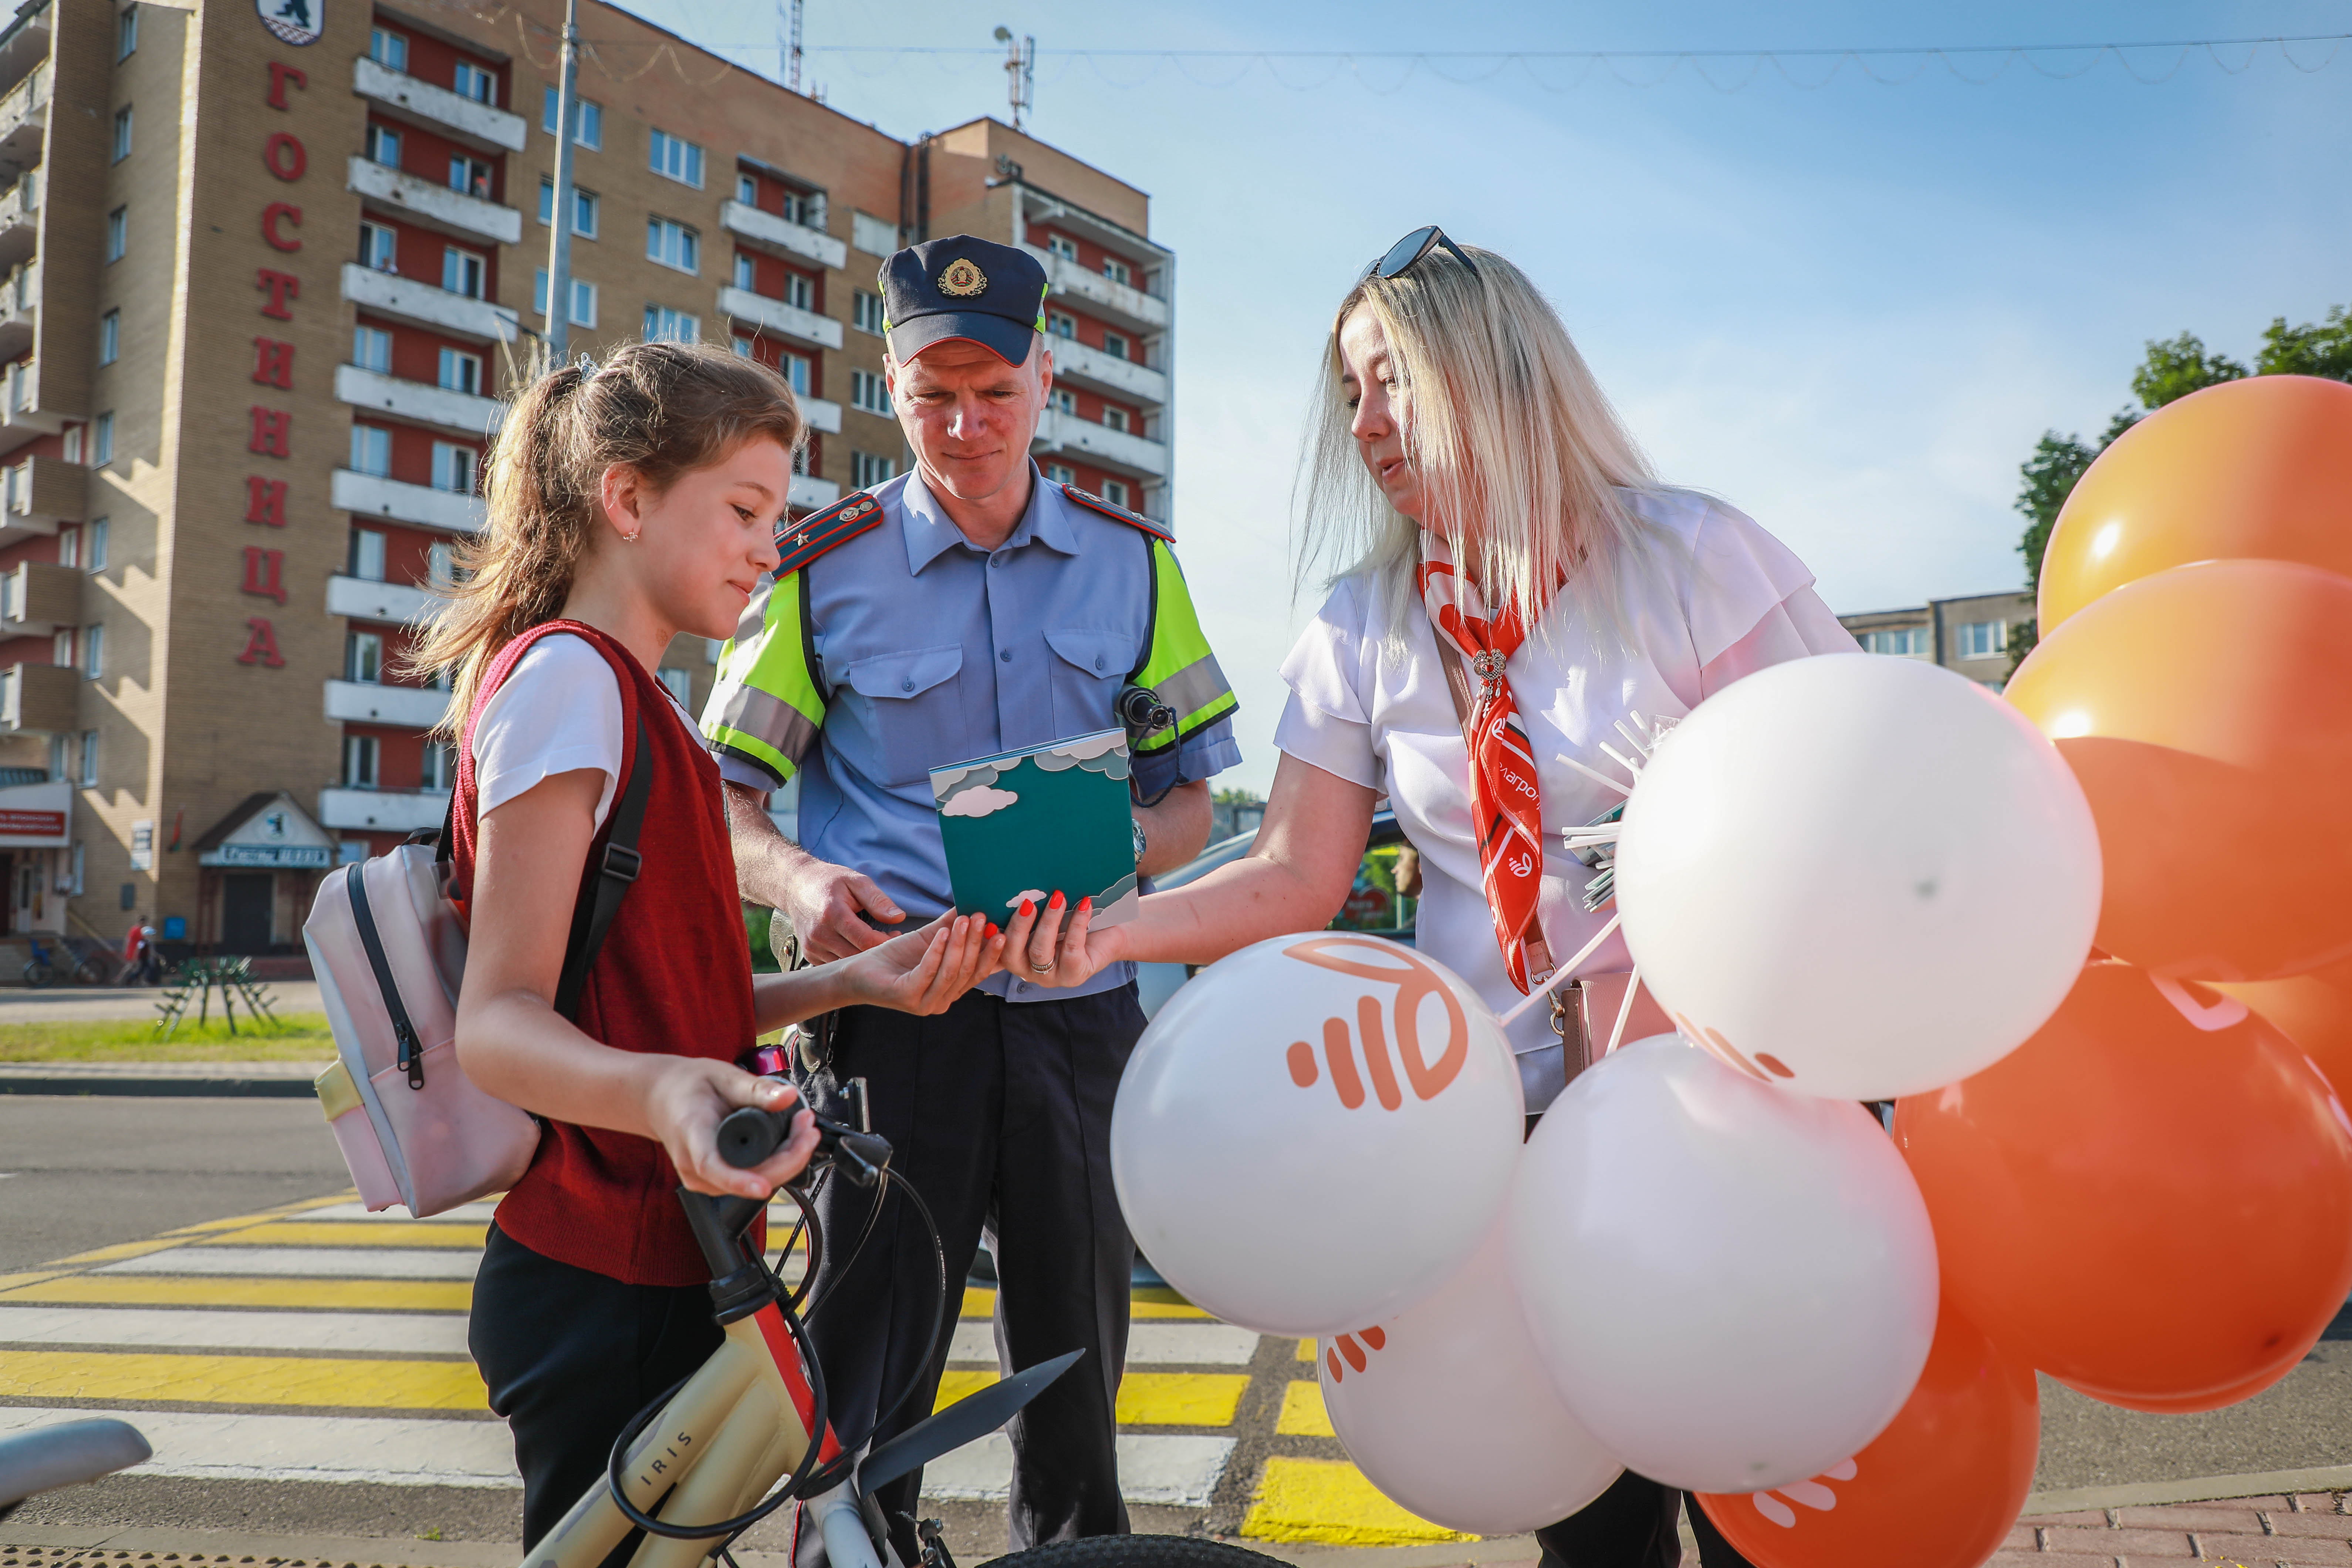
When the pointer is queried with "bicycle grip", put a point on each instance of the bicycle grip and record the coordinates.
(748, 1135)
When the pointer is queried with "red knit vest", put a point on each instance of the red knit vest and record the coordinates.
(673, 976)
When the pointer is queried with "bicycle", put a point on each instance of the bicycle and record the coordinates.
(43, 971)
(712, 1449)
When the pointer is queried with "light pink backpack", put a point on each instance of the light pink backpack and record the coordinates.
(388, 945)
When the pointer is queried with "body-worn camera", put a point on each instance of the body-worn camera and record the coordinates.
(1140, 711)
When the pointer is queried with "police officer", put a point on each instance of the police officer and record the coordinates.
(965, 608)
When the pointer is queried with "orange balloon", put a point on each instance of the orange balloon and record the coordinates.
(2192, 1404)
(1940, 1486)
(2315, 1011)
(2207, 711)
(2249, 468)
(2143, 1208)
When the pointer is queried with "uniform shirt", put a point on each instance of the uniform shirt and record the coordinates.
(1717, 599)
(934, 651)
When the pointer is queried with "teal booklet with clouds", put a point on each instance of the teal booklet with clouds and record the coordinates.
(1027, 823)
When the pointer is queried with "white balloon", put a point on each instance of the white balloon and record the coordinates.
(1861, 876)
(1733, 1288)
(1314, 1131)
(1448, 1409)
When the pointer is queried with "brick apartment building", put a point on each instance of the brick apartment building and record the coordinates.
(1970, 635)
(266, 265)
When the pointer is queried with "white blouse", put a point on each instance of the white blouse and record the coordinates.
(1720, 598)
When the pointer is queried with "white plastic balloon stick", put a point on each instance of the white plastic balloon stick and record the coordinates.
(1561, 976)
(1593, 774)
(1625, 1009)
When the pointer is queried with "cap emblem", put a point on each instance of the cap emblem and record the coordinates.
(963, 279)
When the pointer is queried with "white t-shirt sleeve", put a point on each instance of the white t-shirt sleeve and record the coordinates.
(1799, 626)
(559, 712)
(1741, 574)
(1326, 721)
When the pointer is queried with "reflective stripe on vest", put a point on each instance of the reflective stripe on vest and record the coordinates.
(766, 706)
(1177, 662)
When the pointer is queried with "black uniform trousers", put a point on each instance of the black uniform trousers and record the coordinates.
(1631, 1525)
(569, 1355)
(999, 1114)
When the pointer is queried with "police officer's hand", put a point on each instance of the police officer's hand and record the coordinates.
(1054, 946)
(825, 904)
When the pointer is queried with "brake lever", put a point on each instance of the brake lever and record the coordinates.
(750, 1135)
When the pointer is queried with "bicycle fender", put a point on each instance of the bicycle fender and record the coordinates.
(967, 1420)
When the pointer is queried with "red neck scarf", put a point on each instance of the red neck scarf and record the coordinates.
(1506, 795)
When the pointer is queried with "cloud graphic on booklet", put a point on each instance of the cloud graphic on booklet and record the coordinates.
(979, 800)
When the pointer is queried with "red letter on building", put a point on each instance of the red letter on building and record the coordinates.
(283, 286)
(285, 155)
(280, 75)
(273, 363)
(260, 644)
(275, 213)
(264, 571)
(265, 500)
(271, 429)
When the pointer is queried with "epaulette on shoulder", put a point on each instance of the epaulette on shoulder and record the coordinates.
(802, 541)
(1094, 503)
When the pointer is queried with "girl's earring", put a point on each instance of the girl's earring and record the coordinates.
(630, 538)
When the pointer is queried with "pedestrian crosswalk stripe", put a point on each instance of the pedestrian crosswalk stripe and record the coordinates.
(348, 1263)
(343, 1233)
(1307, 1350)
(1145, 1398)
(117, 1290)
(1303, 1412)
(385, 1451)
(1174, 1471)
(1147, 1344)
(476, 1213)
(979, 1301)
(438, 1335)
(1329, 1501)
(242, 1379)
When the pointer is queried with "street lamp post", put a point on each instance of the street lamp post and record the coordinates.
(559, 227)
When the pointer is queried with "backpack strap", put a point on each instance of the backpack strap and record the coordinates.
(412, 1051)
(593, 914)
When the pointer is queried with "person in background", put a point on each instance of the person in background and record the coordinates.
(962, 610)
(141, 964)
(1509, 568)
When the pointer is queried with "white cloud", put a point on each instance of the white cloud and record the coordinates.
(980, 801)
(1026, 896)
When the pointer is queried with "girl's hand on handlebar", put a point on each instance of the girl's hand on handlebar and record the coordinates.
(924, 971)
(685, 1105)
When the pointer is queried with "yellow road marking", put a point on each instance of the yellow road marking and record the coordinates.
(343, 1233)
(1330, 1501)
(979, 1301)
(380, 1295)
(1145, 1398)
(955, 1385)
(11, 1281)
(1306, 1349)
(243, 1380)
(1303, 1414)
(237, 1222)
(122, 1249)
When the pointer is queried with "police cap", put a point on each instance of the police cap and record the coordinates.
(963, 286)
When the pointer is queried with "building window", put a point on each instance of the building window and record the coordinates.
(680, 160)
(126, 34)
(61, 648)
(1065, 401)
(799, 293)
(746, 190)
(122, 144)
(675, 326)
(109, 337)
(371, 349)
(440, 565)
(371, 450)
(463, 272)
(453, 467)
(798, 370)
(583, 208)
(117, 233)
(96, 551)
(673, 245)
(1115, 270)
(587, 120)
(438, 769)
(747, 272)
(389, 51)
(868, 470)
(1114, 491)
(93, 652)
(469, 176)
(101, 440)
(88, 759)
(1062, 246)
(1062, 325)
(869, 391)
(360, 753)
(472, 81)
(1062, 473)
(680, 683)
(584, 299)
(866, 312)
(71, 441)
(1905, 642)
(363, 658)
(1115, 345)
(380, 247)
(461, 372)
(69, 544)
(383, 145)
(1984, 639)
(1113, 418)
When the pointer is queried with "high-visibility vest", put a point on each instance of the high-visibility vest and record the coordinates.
(767, 707)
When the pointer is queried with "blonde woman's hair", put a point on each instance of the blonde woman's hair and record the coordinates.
(661, 408)
(1506, 427)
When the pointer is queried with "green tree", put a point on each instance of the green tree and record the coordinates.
(2325, 350)
(2174, 369)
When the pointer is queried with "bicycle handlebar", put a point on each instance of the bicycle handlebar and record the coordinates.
(751, 1135)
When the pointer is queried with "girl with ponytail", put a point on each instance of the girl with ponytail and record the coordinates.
(628, 504)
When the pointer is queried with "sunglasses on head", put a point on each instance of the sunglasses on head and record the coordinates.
(1402, 257)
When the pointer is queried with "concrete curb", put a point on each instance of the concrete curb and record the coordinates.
(2197, 1489)
(288, 1080)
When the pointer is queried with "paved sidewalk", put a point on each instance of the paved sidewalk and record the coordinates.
(2294, 1530)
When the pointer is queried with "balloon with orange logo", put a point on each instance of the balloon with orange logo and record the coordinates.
(2207, 712)
(2249, 468)
(1315, 1132)
(2150, 1200)
(1940, 1488)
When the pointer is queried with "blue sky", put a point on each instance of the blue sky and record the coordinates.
(1849, 310)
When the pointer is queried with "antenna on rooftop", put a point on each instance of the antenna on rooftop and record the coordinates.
(1020, 73)
(791, 47)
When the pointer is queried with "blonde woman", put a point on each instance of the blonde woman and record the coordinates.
(1492, 515)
